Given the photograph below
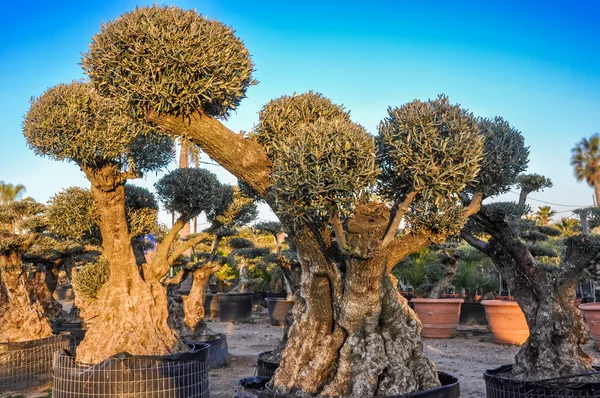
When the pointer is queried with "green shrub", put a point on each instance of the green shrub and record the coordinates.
(90, 278)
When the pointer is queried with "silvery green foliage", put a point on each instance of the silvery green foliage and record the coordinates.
(188, 191)
(269, 227)
(18, 220)
(72, 215)
(72, 122)
(533, 182)
(90, 278)
(171, 61)
(505, 156)
(432, 147)
(139, 198)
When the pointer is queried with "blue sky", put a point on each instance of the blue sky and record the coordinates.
(536, 63)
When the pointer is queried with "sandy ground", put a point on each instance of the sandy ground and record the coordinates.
(466, 356)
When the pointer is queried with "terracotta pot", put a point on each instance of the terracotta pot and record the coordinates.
(591, 311)
(506, 321)
(577, 302)
(438, 316)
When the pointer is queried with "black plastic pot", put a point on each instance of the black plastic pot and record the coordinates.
(211, 306)
(259, 299)
(472, 313)
(265, 368)
(29, 364)
(179, 375)
(278, 309)
(498, 386)
(218, 354)
(256, 387)
(235, 307)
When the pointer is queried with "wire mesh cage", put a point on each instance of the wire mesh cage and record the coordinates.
(218, 352)
(173, 376)
(499, 385)
(29, 364)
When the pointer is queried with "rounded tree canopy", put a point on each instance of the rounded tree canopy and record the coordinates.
(170, 61)
(533, 182)
(432, 147)
(283, 116)
(72, 122)
(505, 157)
(188, 191)
(17, 221)
(72, 215)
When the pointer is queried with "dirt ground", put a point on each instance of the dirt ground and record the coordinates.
(466, 356)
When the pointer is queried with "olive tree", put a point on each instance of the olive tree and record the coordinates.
(73, 122)
(353, 334)
(23, 314)
(543, 290)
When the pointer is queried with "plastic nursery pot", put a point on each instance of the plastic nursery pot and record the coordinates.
(29, 363)
(265, 368)
(211, 306)
(472, 314)
(178, 375)
(256, 387)
(235, 307)
(506, 321)
(278, 309)
(218, 352)
(591, 311)
(439, 317)
(499, 385)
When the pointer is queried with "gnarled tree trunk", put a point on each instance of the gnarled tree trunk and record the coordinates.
(133, 312)
(22, 315)
(353, 334)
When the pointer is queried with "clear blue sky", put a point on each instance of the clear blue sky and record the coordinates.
(535, 63)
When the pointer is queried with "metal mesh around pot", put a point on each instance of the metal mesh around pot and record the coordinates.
(498, 386)
(172, 376)
(265, 368)
(29, 364)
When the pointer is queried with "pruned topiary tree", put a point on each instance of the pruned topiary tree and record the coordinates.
(529, 183)
(72, 122)
(319, 172)
(543, 290)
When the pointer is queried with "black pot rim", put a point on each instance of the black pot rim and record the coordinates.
(223, 294)
(496, 376)
(268, 365)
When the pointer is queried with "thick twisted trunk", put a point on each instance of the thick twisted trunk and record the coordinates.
(133, 313)
(22, 315)
(557, 329)
(353, 334)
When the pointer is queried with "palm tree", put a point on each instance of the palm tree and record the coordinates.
(543, 214)
(9, 192)
(586, 163)
(568, 226)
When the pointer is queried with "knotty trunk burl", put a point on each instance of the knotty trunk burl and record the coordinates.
(354, 334)
(22, 315)
(134, 312)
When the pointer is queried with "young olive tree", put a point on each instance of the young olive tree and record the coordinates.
(353, 334)
(544, 292)
(72, 122)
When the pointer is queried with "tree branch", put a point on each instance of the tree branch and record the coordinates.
(473, 241)
(406, 245)
(395, 224)
(188, 244)
(338, 230)
(29, 241)
(242, 157)
(582, 251)
(475, 205)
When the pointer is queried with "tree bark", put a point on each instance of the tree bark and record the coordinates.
(523, 197)
(557, 330)
(22, 316)
(133, 313)
(353, 334)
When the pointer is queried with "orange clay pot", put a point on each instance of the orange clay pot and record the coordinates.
(591, 311)
(439, 317)
(577, 302)
(506, 321)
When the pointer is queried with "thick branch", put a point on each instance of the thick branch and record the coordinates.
(473, 241)
(406, 245)
(242, 157)
(475, 205)
(338, 230)
(581, 252)
(29, 241)
(188, 244)
(395, 224)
